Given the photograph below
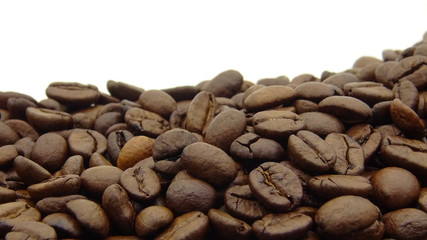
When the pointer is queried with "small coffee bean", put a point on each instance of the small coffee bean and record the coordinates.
(225, 84)
(24, 165)
(97, 159)
(411, 69)
(104, 121)
(347, 109)
(152, 219)
(50, 151)
(46, 120)
(73, 165)
(340, 79)
(33, 230)
(422, 199)
(71, 93)
(282, 226)
(115, 142)
(406, 224)
(242, 204)
(50, 205)
(7, 135)
(85, 142)
(182, 93)
(96, 179)
(143, 122)
(229, 228)
(277, 125)
(7, 154)
(23, 128)
(200, 112)
(317, 91)
(55, 187)
(407, 93)
(170, 144)
(280, 80)
(322, 124)
(134, 150)
(7, 195)
(407, 119)
(123, 90)
(268, 97)
(368, 138)
(350, 157)
(24, 146)
(157, 101)
(141, 184)
(332, 186)
(12, 213)
(369, 92)
(192, 225)
(64, 224)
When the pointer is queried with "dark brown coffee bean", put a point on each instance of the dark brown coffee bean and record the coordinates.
(310, 152)
(350, 157)
(7, 135)
(52, 104)
(24, 166)
(340, 79)
(64, 224)
(322, 124)
(241, 203)
(4, 96)
(407, 93)
(45, 120)
(71, 93)
(55, 187)
(7, 154)
(18, 106)
(7, 195)
(280, 80)
(12, 213)
(96, 159)
(141, 184)
(115, 142)
(406, 224)
(278, 125)
(90, 216)
(368, 138)
(332, 186)
(157, 101)
(276, 186)
(225, 84)
(200, 158)
(347, 109)
(412, 69)
(422, 199)
(190, 195)
(152, 219)
(389, 130)
(303, 106)
(200, 112)
(143, 122)
(369, 92)
(50, 205)
(336, 219)
(192, 225)
(407, 119)
(85, 142)
(316, 91)
(268, 97)
(282, 226)
(50, 151)
(168, 167)
(96, 179)
(182, 93)
(227, 227)
(123, 90)
(134, 150)
(381, 72)
(120, 211)
(394, 188)
(32, 230)
(24, 147)
(225, 128)
(73, 165)
(170, 144)
(104, 121)
(303, 78)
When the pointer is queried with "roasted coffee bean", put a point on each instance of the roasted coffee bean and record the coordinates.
(24, 147)
(192, 225)
(22, 128)
(276, 186)
(225, 84)
(303, 106)
(90, 216)
(50, 151)
(268, 97)
(340, 79)
(64, 224)
(406, 224)
(141, 184)
(55, 187)
(85, 142)
(232, 122)
(115, 142)
(7, 195)
(45, 120)
(350, 157)
(369, 92)
(123, 90)
(32, 230)
(407, 93)
(143, 122)
(73, 165)
(24, 165)
(282, 226)
(182, 93)
(322, 124)
(407, 119)
(120, 211)
(4, 96)
(242, 204)
(7, 135)
(394, 188)
(157, 101)
(12, 213)
(201, 158)
(104, 121)
(168, 167)
(152, 219)
(189, 195)
(52, 104)
(336, 219)
(278, 125)
(71, 93)
(422, 199)
(332, 186)
(96, 159)
(96, 179)
(227, 227)
(170, 144)
(200, 112)
(347, 109)
(18, 106)
(411, 69)
(50, 205)
(134, 150)
(310, 152)
(303, 78)
(7, 154)
(368, 138)
(316, 91)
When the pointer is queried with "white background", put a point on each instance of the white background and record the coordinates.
(162, 44)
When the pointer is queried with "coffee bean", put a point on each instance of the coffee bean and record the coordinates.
(38, 173)
(85, 142)
(143, 122)
(97, 159)
(157, 101)
(406, 224)
(50, 205)
(350, 157)
(123, 90)
(141, 184)
(152, 219)
(317, 91)
(104, 121)
(7, 154)
(182, 93)
(22, 128)
(303, 78)
(46, 120)
(192, 225)
(96, 179)
(227, 227)
(411, 69)
(134, 150)
(7, 135)
(32, 230)
(368, 138)
(90, 216)
(278, 125)
(55, 187)
(422, 199)
(369, 92)
(12, 213)
(242, 204)
(310, 152)
(268, 97)
(340, 79)
(407, 93)
(225, 84)
(200, 158)
(304, 106)
(64, 224)
(71, 93)
(200, 112)
(322, 124)
(50, 151)
(7, 195)
(282, 226)
(115, 142)
(73, 165)
(407, 119)
(347, 109)
(170, 144)
(332, 186)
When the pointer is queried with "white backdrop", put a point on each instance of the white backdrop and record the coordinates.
(162, 44)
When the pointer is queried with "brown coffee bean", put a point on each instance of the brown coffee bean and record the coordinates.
(85, 142)
(120, 211)
(170, 144)
(115, 142)
(141, 184)
(157, 101)
(407, 93)
(406, 224)
(64, 224)
(7, 154)
(134, 150)
(182, 92)
(332, 186)
(407, 119)
(276, 124)
(152, 219)
(412, 69)
(7, 135)
(200, 112)
(50, 205)
(227, 227)
(310, 152)
(71, 93)
(340, 79)
(347, 109)
(316, 91)
(282, 226)
(24, 165)
(369, 92)
(192, 225)
(225, 84)
(55, 187)
(304, 106)
(73, 165)
(201, 158)
(143, 122)
(225, 128)
(18, 106)
(394, 188)
(123, 90)
(12, 213)
(322, 124)
(50, 151)
(7, 195)
(242, 204)
(104, 121)
(303, 78)
(4, 96)
(97, 159)
(46, 120)
(422, 199)
(90, 216)
(32, 230)
(268, 97)
(96, 179)
(350, 157)
(22, 128)
(336, 219)
(368, 138)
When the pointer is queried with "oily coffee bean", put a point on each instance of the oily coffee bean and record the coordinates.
(350, 157)
(96, 179)
(410, 69)
(405, 224)
(157, 101)
(115, 142)
(268, 97)
(141, 184)
(276, 186)
(192, 225)
(347, 109)
(50, 151)
(143, 122)
(64, 224)
(85, 142)
(242, 204)
(227, 227)
(310, 152)
(407, 93)
(407, 119)
(282, 226)
(123, 90)
(152, 219)
(24, 165)
(170, 144)
(225, 84)
(275, 124)
(368, 138)
(45, 120)
(369, 92)
(316, 91)
(335, 219)
(200, 112)
(73, 93)
(55, 187)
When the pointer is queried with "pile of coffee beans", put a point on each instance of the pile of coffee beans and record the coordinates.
(340, 156)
